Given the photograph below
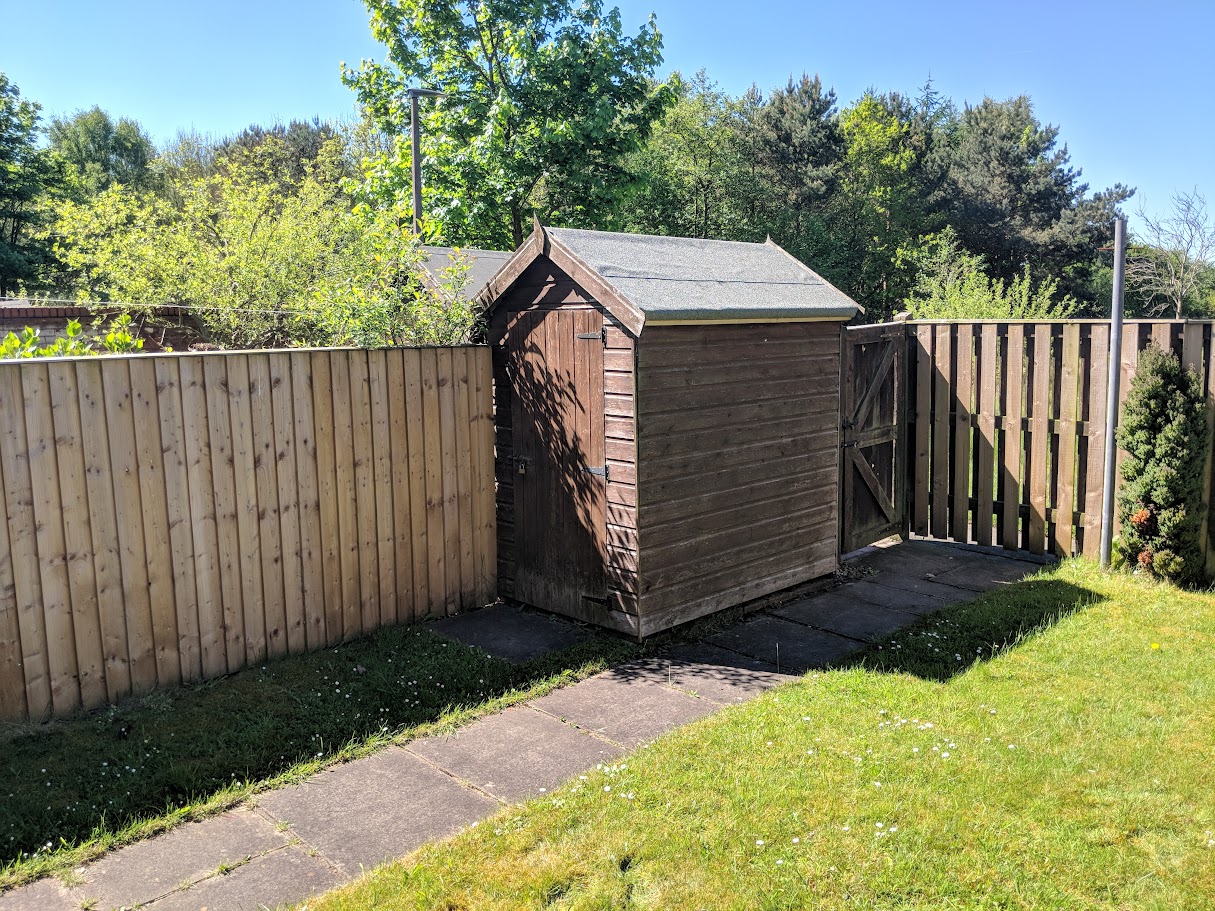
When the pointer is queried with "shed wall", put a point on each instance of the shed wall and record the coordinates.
(544, 286)
(737, 461)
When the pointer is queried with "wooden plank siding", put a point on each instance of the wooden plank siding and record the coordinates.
(175, 517)
(737, 431)
(1039, 393)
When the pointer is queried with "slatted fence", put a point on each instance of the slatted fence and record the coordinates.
(1007, 436)
(173, 518)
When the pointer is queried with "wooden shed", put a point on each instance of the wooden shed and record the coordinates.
(667, 416)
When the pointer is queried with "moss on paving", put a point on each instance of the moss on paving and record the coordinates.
(1049, 746)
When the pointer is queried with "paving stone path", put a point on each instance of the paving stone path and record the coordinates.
(297, 841)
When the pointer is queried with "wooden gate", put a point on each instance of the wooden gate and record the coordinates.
(873, 399)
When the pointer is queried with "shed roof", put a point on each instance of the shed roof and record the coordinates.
(654, 279)
(482, 266)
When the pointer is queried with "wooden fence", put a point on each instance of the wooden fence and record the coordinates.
(176, 517)
(1007, 441)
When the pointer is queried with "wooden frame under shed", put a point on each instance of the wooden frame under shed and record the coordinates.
(667, 417)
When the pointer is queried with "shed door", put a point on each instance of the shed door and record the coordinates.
(560, 485)
(872, 407)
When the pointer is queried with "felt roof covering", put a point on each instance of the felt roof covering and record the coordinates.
(482, 265)
(643, 278)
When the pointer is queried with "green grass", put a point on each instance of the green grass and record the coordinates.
(1080, 774)
(73, 789)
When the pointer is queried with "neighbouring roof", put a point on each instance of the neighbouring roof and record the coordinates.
(679, 279)
(482, 266)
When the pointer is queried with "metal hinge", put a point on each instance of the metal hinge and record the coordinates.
(598, 472)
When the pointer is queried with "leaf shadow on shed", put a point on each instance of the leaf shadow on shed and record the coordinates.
(951, 641)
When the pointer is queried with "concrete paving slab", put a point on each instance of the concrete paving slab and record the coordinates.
(982, 574)
(281, 878)
(518, 754)
(512, 633)
(871, 592)
(949, 594)
(852, 617)
(712, 673)
(44, 895)
(370, 810)
(798, 647)
(149, 869)
(630, 712)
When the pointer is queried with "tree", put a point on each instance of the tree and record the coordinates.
(100, 152)
(27, 172)
(1017, 200)
(543, 101)
(1174, 262)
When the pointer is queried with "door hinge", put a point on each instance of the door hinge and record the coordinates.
(598, 472)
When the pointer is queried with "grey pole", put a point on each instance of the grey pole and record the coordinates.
(1111, 412)
(415, 129)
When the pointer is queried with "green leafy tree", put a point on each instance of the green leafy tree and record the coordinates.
(952, 283)
(544, 101)
(27, 173)
(75, 342)
(258, 263)
(1164, 434)
(100, 151)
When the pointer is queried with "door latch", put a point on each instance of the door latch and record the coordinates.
(598, 472)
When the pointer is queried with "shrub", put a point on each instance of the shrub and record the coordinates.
(1163, 431)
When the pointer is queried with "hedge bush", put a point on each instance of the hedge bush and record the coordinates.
(1164, 433)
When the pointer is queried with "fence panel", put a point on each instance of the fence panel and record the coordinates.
(168, 518)
(1028, 455)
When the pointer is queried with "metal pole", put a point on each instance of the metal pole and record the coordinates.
(415, 127)
(1111, 412)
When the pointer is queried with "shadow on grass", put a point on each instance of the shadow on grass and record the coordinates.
(66, 782)
(950, 641)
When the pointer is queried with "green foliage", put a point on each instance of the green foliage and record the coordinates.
(116, 339)
(100, 152)
(544, 100)
(952, 283)
(1163, 431)
(260, 261)
(27, 174)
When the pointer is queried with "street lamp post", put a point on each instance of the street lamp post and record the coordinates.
(415, 128)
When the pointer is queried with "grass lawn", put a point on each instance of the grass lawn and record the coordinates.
(1050, 746)
(70, 790)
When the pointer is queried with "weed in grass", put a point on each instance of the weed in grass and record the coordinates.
(70, 789)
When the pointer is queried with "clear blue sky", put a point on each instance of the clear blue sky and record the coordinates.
(1128, 83)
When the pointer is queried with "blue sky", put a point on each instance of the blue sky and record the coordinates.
(1127, 83)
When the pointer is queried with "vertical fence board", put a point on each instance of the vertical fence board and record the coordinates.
(385, 514)
(116, 383)
(398, 431)
(1191, 347)
(176, 484)
(923, 428)
(78, 537)
(1014, 369)
(419, 507)
(450, 493)
(1037, 450)
(942, 397)
(311, 525)
(464, 494)
(204, 528)
(1098, 398)
(333, 544)
(347, 494)
(1065, 508)
(364, 475)
(265, 483)
(290, 498)
(103, 527)
(49, 540)
(963, 399)
(13, 703)
(227, 507)
(247, 509)
(1208, 509)
(437, 558)
(485, 544)
(985, 404)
